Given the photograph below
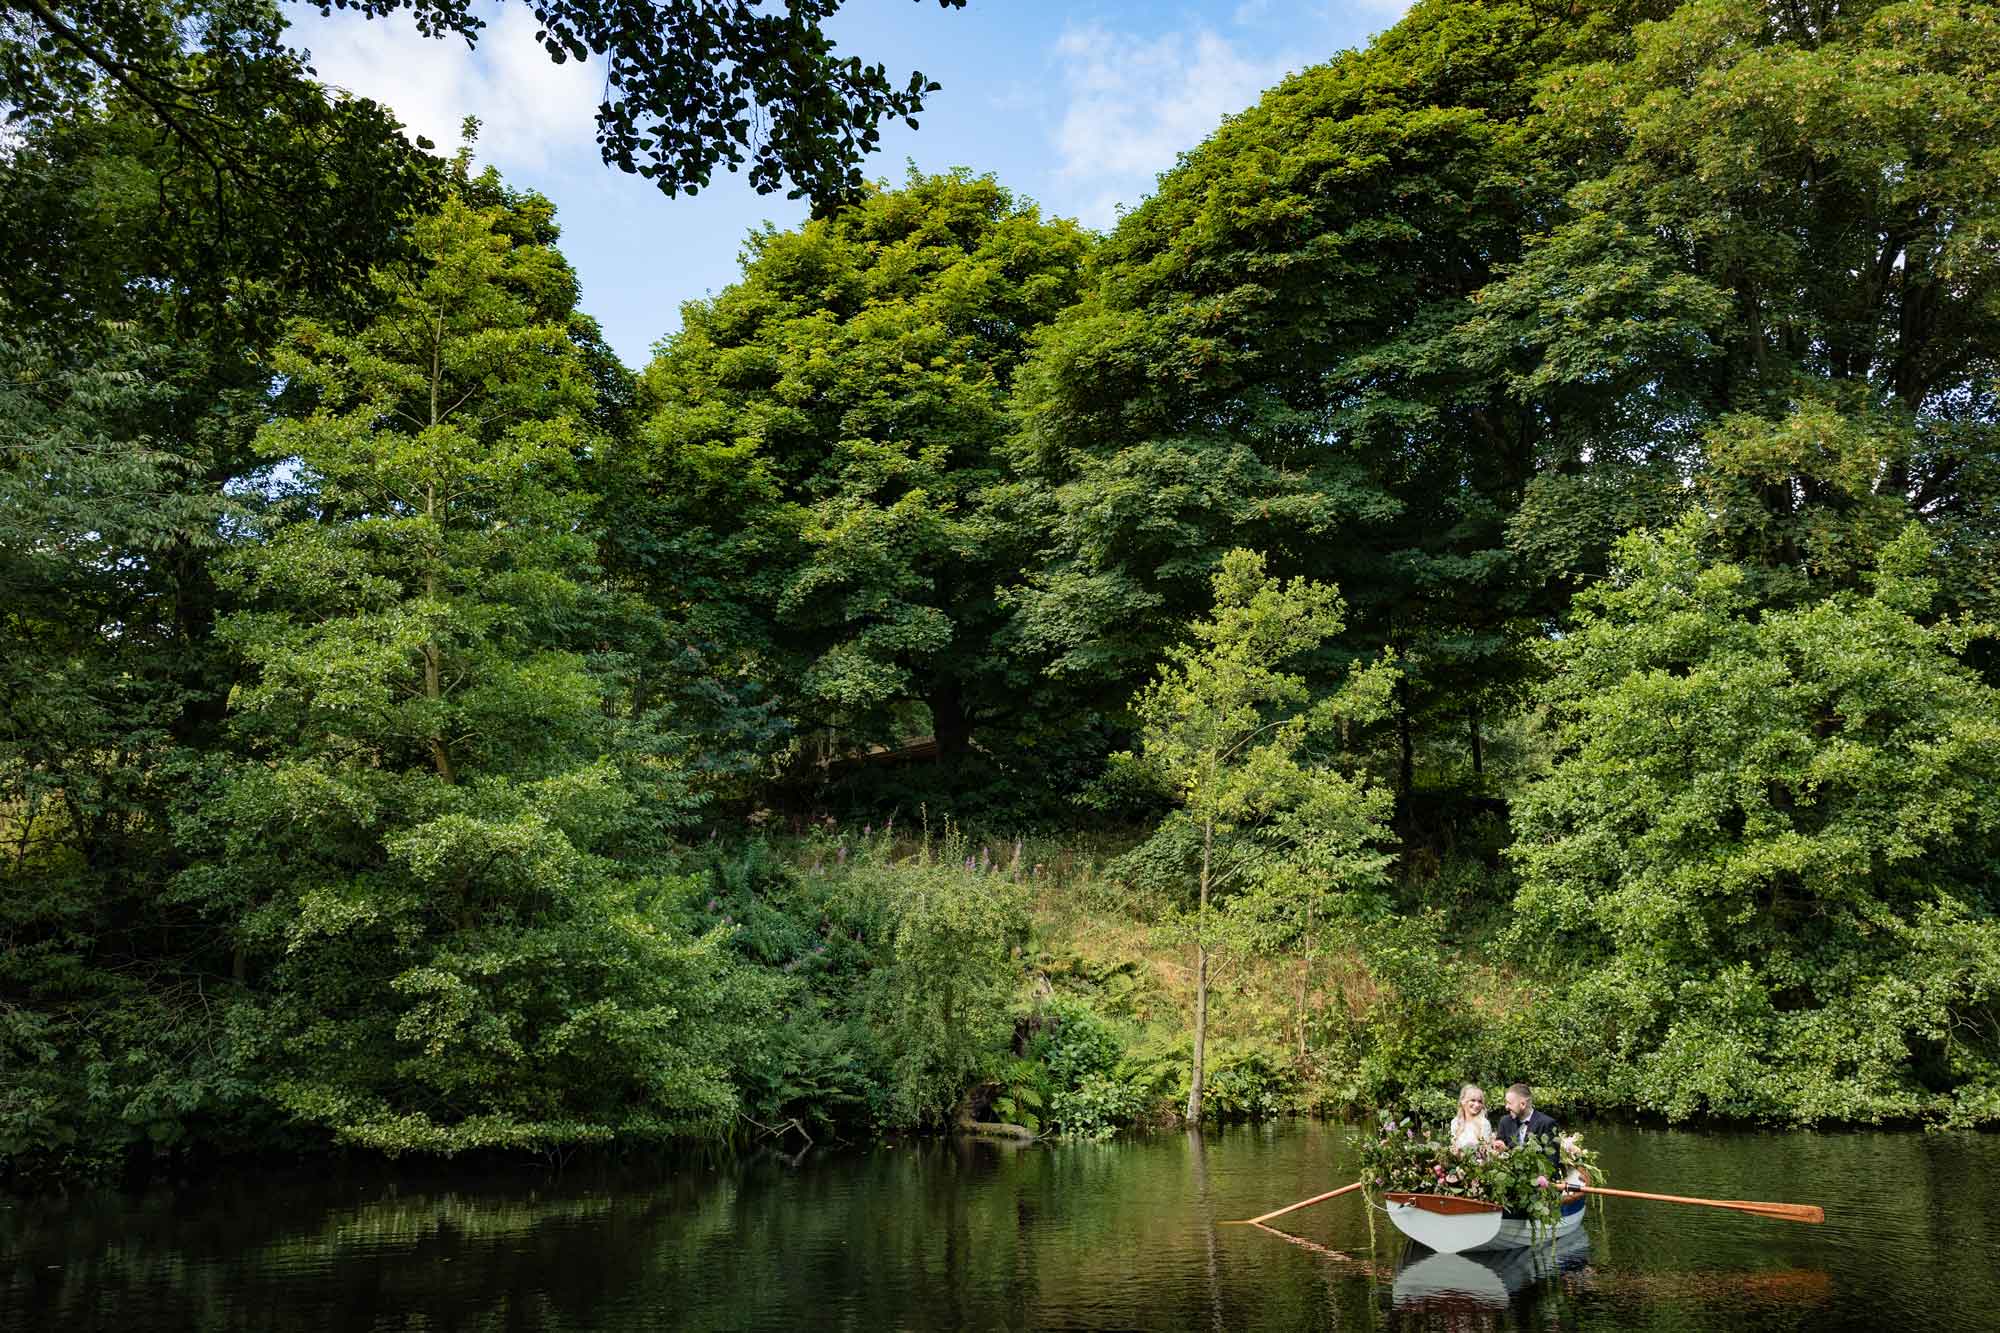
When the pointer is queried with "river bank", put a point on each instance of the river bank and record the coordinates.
(873, 982)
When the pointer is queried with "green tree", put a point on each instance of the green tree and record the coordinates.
(222, 171)
(424, 848)
(1228, 733)
(132, 382)
(1263, 358)
(103, 1042)
(815, 488)
(1762, 864)
(1784, 214)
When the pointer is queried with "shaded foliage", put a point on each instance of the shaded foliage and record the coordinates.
(820, 482)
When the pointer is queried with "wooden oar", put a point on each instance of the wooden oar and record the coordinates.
(1791, 1212)
(1294, 1207)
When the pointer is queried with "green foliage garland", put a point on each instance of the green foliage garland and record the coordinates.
(1406, 1156)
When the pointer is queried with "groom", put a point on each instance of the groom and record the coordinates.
(1522, 1119)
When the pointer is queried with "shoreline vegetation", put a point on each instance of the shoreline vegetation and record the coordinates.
(1092, 1001)
(1099, 1023)
(1083, 1028)
(1491, 572)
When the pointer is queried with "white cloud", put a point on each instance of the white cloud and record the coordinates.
(1135, 103)
(532, 111)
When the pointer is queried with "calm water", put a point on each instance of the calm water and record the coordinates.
(982, 1236)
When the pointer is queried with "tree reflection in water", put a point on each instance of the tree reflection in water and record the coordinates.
(950, 1234)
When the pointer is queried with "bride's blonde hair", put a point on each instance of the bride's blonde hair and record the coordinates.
(1467, 1091)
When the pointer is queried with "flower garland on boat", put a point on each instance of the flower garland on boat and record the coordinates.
(1405, 1156)
(1580, 1164)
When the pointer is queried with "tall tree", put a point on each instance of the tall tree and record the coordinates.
(110, 688)
(225, 172)
(1761, 865)
(1261, 359)
(818, 483)
(1785, 221)
(419, 851)
(1227, 732)
(132, 330)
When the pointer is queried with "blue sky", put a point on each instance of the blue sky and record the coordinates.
(1076, 105)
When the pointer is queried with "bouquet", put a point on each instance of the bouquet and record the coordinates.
(1579, 1162)
(1408, 1157)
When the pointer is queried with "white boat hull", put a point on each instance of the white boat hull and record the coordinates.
(1454, 1226)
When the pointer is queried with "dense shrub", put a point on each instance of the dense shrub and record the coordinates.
(1759, 878)
(896, 978)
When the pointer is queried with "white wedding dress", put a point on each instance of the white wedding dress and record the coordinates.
(1469, 1134)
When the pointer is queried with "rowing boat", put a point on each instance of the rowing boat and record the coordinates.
(1450, 1224)
(1453, 1224)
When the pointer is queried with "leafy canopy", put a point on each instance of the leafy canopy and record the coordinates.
(1260, 361)
(688, 86)
(1764, 855)
(1783, 212)
(427, 845)
(817, 481)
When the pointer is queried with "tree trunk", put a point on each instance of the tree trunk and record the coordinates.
(433, 691)
(1405, 743)
(1305, 976)
(433, 669)
(204, 683)
(1200, 1031)
(1201, 978)
(1478, 750)
(950, 725)
(1305, 982)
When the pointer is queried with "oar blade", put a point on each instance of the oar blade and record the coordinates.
(1791, 1212)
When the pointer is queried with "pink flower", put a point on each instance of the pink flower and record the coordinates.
(1541, 1182)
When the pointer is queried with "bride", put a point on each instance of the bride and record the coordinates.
(1470, 1128)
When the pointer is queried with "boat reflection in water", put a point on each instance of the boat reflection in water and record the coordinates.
(1482, 1279)
(1490, 1281)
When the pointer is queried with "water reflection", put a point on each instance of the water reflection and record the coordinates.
(1482, 1280)
(992, 1235)
(1450, 1291)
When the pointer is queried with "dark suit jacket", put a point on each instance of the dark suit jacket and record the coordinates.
(1509, 1130)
